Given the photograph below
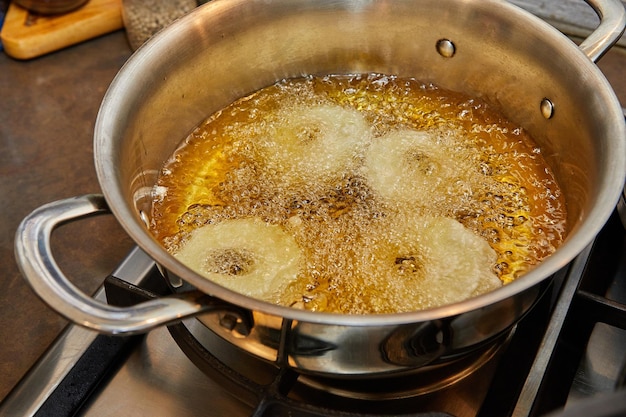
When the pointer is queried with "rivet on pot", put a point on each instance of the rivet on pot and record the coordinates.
(446, 48)
(547, 108)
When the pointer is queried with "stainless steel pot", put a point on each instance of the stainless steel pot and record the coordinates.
(229, 48)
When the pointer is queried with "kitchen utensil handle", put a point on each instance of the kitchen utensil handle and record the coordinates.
(34, 257)
(612, 23)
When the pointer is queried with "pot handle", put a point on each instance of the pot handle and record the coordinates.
(33, 255)
(612, 23)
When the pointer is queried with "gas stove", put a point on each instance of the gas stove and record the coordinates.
(566, 356)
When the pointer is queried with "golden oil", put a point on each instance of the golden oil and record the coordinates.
(272, 156)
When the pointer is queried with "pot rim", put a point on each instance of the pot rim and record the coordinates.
(106, 172)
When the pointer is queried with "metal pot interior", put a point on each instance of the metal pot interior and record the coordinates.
(229, 48)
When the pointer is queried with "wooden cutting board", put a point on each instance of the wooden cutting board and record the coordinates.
(27, 35)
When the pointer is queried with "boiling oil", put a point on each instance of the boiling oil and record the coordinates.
(358, 169)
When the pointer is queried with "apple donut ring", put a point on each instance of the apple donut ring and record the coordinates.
(410, 166)
(309, 142)
(249, 256)
(429, 262)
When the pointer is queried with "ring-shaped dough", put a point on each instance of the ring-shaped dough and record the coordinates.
(246, 255)
(310, 142)
(409, 166)
(432, 261)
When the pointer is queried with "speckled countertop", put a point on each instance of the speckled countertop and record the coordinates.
(48, 108)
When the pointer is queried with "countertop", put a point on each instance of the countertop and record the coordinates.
(48, 109)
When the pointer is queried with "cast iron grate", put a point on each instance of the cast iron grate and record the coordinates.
(585, 302)
(267, 399)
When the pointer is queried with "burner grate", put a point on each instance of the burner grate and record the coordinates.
(275, 390)
(267, 399)
(592, 297)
